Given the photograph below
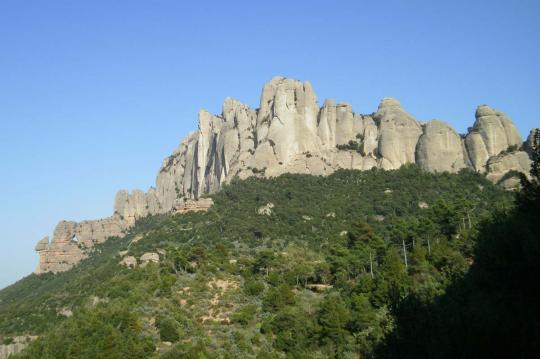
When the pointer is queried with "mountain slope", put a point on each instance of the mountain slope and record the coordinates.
(492, 311)
(298, 265)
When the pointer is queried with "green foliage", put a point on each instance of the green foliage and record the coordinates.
(351, 146)
(168, 329)
(244, 315)
(492, 309)
(278, 297)
(253, 287)
(7, 341)
(332, 319)
(292, 330)
(323, 276)
(108, 332)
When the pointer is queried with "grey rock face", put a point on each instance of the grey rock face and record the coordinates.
(439, 148)
(398, 134)
(498, 166)
(496, 129)
(492, 134)
(290, 133)
(477, 151)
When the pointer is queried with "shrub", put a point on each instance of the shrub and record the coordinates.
(244, 315)
(253, 287)
(168, 329)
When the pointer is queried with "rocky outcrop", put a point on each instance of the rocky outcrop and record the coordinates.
(16, 345)
(73, 241)
(290, 133)
(492, 134)
(496, 130)
(128, 261)
(499, 166)
(266, 210)
(189, 205)
(149, 257)
(440, 148)
(399, 133)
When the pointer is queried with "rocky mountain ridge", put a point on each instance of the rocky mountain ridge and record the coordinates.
(290, 133)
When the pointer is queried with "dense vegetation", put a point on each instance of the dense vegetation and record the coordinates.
(372, 263)
(491, 311)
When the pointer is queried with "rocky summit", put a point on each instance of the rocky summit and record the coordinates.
(291, 133)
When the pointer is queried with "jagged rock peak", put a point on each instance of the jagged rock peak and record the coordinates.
(42, 244)
(398, 134)
(497, 130)
(484, 110)
(389, 102)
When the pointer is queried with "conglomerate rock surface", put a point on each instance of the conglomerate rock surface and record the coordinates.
(291, 133)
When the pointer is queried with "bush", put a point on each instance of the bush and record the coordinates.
(253, 287)
(168, 329)
(244, 315)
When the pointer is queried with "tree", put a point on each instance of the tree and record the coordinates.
(168, 329)
(492, 310)
(332, 318)
(278, 297)
(392, 283)
(367, 324)
(292, 330)
(529, 196)
(365, 246)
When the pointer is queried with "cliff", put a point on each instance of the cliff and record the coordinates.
(291, 133)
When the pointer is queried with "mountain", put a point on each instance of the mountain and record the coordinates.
(374, 264)
(295, 265)
(290, 133)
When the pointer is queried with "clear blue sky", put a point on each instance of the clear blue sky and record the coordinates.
(94, 94)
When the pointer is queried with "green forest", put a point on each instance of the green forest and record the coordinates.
(358, 264)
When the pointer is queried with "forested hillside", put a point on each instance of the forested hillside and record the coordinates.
(373, 263)
(493, 310)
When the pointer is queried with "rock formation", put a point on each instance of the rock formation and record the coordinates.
(190, 205)
(440, 148)
(290, 133)
(17, 345)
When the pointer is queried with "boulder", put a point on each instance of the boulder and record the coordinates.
(149, 257)
(129, 261)
(266, 210)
